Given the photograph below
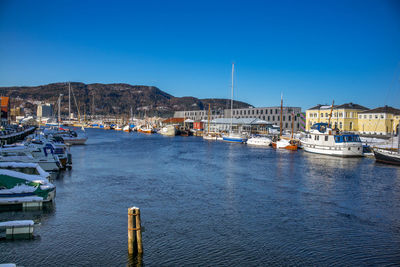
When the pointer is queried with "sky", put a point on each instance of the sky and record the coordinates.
(311, 51)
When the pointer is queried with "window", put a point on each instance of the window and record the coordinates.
(286, 125)
(381, 116)
(263, 117)
(273, 118)
(326, 138)
(351, 125)
(276, 111)
(370, 116)
(295, 118)
(261, 112)
(253, 112)
(326, 114)
(322, 115)
(298, 126)
(289, 118)
(257, 111)
(283, 118)
(268, 118)
(278, 118)
(340, 125)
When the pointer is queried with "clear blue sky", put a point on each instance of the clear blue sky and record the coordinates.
(312, 51)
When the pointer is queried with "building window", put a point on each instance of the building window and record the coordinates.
(298, 126)
(253, 112)
(376, 116)
(326, 138)
(340, 125)
(381, 116)
(295, 118)
(273, 118)
(263, 117)
(279, 118)
(286, 125)
(269, 118)
(322, 115)
(351, 125)
(370, 116)
(283, 118)
(326, 114)
(289, 118)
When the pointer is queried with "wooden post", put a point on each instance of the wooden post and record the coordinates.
(134, 226)
(131, 232)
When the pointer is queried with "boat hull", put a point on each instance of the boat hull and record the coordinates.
(354, 151)
(234, 140)
(386, 157)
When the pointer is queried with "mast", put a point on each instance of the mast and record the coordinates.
(292, 123)
(208, 131)
(59, 109)
(233, 69)
(280, 123)
(69, 101)
(330, 115)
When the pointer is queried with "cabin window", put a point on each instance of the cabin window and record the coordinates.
(326, 138)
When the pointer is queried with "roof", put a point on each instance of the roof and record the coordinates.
(173, 120)
(243, 121)
(385, 109)
(343, 106)
(4, 101)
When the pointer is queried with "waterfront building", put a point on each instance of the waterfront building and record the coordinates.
(379, 121)
(5, 110)
(248, 125)
(44, 110)
(268, 114)
(344, 117)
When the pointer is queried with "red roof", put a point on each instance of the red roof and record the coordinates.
(173, 120)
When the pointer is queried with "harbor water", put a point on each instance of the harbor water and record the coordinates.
(210, 203)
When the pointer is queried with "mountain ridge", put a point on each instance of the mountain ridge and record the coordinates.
(113, 99)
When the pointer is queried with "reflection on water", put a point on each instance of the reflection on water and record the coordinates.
(214, 203)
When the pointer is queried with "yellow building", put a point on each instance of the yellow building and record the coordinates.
(379, 121)
(344, 117)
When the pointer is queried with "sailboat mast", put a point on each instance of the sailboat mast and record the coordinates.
(233, 69)
(59, 110)
(208, 118)
(69, 101)
(280, 124)
(292, 124)
(330, 115)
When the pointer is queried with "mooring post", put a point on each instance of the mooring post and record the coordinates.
(134, 231)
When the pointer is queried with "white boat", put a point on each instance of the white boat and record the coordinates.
(15, 184)
(212, 136)
(323, 140)
(259, 141)
(46, 160)
(169, 130)
(126, 128)
(232, 136)
(27, 168)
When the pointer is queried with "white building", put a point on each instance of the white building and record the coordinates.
(268, 114)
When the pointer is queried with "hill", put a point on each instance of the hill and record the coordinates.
(114, 99)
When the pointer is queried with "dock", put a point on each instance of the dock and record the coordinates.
(10, 138)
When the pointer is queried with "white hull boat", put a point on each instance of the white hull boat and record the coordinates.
(323, 140)
(259, 141)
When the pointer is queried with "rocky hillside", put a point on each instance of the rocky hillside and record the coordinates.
(114, 99)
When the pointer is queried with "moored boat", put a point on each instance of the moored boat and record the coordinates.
(259, 141)
(169, 130)
(387, 156)
(15, 184)
(323, 140)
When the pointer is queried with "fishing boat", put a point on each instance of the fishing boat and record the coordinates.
(168, 130)
(259, 141)
(323, 140)
(283, 142)
(15, 184)
(232, 136)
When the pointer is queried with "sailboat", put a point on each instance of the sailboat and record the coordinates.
(284, 142)
(210, 135)
(232, 136)
(388, 156)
